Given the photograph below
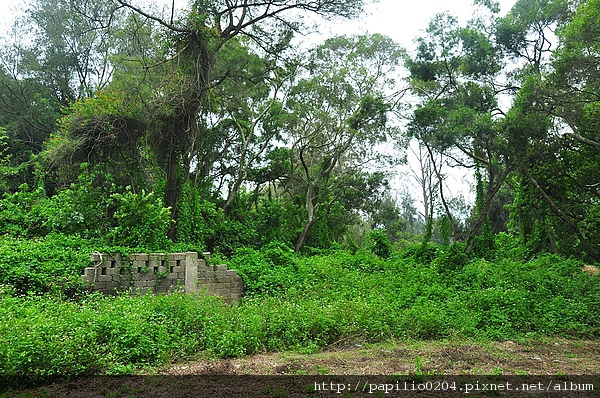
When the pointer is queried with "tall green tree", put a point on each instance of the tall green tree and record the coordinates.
(193, 44)
(463, 75)
(456, 73)
(56, 53)
(244, 119)
(338, 112)
(557, 201)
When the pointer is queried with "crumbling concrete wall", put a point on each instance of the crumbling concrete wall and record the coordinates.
(162, 273)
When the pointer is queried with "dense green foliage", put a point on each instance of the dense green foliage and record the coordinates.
(124, 125)
(300, 303)
(125, 130)
(51, 264)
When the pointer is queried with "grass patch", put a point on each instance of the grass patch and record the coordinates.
(296, 303)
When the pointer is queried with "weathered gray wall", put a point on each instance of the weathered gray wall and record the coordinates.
(162, 273)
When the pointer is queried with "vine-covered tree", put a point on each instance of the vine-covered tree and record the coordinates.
(558, 193)
(464, 75)
(177, 76)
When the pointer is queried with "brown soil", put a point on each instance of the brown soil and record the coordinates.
(290, 374)
(548, 357)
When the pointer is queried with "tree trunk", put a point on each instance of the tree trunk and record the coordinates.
(442, 197)
(173, 190)
(175, 142)
(493, 190)
(310, 219)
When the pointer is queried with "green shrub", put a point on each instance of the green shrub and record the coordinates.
(142, 221)
(425, 253)
(22, 213)
(380, 244)
(197, 218)
(276, 220)
(293, 302)
(84, 208)
(266, 272)
(509, 246)
(50, 264)
(452, 258)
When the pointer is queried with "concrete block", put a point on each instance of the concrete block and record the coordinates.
(114, 263)
(191, 272)
(139, 257)
(100, 285)
(112, 271)
(175, 264)
(176, 256)
(193, 256)
(231, 272)
(176, 269)
(164, 282)
(205, 272)
(220, 271)
(104, 278)
(113, 256)
(139, 266)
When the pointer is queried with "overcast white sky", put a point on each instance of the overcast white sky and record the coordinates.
(402, 20)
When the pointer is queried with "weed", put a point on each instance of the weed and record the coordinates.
(295, 302)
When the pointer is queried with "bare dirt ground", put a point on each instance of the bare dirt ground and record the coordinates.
(292, 374)
(547, 357)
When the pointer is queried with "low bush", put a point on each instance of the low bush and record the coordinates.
(380, 244)
(53, 263)
(298, 302)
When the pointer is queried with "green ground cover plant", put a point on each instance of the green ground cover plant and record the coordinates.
(293, 302)
(52, 263)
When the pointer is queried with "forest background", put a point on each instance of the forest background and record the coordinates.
(125, 127)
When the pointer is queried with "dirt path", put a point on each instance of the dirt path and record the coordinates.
(291, 375)
(548, 357)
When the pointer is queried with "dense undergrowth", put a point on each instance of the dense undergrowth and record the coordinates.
(52, 328)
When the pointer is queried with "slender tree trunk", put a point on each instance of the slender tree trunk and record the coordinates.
(310, 218)
(442, 197)
(173, 190)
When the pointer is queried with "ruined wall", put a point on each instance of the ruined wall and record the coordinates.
(162, 273)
